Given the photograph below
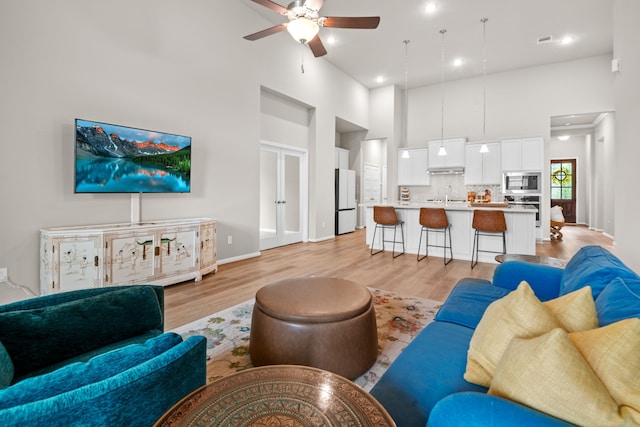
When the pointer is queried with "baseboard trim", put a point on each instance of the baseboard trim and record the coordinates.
(321, 239)
(238, 258)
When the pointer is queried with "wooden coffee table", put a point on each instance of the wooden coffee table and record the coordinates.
(534, 259)
(278, 396)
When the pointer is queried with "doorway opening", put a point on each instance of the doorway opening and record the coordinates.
(563, 187)
(283, 196)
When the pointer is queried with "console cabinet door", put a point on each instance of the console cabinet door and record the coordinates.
(70, 262)
(179, 251)
(208, 252)
(130, 257)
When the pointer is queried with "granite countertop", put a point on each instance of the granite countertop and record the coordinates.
(454, 206)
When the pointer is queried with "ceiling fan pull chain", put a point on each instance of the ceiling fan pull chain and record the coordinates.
(302, 57)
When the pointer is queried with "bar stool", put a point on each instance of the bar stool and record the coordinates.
(386, 217)
(487, 223)
(435, 220)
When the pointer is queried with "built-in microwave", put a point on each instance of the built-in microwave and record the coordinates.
(522, 182)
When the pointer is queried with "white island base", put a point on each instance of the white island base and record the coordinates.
(520, 234)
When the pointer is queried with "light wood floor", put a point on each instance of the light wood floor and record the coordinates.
(345, 257)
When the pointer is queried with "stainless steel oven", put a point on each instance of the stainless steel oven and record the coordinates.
(522, 183)
(521, 200)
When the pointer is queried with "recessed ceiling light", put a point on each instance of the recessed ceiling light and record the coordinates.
(380, 79)
(567, 40)
(430, 7)
(457, 62)
(563, 137)
(331, 40)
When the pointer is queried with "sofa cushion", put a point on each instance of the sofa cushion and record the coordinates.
(593, 266)
(6, 367)
(576, 311)
(520, 314)
(77, 375)
(620, 299)
(468, 300)
(77, 327)
(429, 369)
(612, 352)
(549, 374)
(587, 378)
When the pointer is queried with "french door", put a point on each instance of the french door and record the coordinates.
(563, 187)
(283, 196)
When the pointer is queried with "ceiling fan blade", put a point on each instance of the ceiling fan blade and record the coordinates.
(265, 33)
(273, 6)
(317, 47)
(363, 22)
(314, 4)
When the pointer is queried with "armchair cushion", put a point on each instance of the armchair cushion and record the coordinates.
(6, 367)
(78, 375)
(39, 337)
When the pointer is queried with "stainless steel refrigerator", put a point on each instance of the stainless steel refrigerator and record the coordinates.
(345, 201)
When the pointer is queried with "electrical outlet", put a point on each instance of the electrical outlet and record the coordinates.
(4, 274)
(229, 240)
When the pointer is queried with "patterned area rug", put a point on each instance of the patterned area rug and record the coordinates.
(400, 318)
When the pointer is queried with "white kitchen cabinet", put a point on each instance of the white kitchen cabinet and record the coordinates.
(483, 168)
(525, 154)
(413, 170)
(341, 158)
(156, 252)
(455, 157)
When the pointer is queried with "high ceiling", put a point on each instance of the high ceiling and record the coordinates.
(512, 31)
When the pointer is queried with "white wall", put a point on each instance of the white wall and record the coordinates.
(626, 37)
(179, 67)
(519, 103)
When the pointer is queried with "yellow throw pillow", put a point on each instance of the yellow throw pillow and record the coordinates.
(549, 374)
(613, 352)
(519, 314)
(576, 311)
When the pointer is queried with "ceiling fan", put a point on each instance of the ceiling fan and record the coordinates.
(305, 22)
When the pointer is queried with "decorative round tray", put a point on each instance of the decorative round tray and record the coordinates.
(279, 396)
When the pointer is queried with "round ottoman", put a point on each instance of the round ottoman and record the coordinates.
(315, 321)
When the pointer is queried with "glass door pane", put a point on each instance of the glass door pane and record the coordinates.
(268, 194)
(291, 194)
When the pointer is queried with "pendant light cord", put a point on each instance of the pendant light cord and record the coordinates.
(484, 79)
(442, 92)
(406, 94)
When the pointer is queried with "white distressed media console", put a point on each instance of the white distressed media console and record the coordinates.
(154, 252)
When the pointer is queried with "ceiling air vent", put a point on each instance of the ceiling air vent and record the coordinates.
(545, 39)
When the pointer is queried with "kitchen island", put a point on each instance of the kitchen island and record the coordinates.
(520, 234)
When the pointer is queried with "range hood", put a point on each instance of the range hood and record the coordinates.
(457, 170)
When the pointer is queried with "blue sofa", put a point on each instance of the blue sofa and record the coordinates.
(94, 357)
(425, 385)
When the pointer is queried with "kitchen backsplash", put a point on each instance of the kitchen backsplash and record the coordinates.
(454, 184)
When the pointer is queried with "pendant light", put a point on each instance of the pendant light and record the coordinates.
(405, 115)
(484, 148)
(442, 151)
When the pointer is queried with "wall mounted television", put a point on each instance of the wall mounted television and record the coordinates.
(119, 159)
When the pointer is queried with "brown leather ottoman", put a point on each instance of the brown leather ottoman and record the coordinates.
(315, 321)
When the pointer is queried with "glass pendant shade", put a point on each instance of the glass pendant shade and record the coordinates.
(484, 149)
(442, 151)
(405, 154)
(303, 30)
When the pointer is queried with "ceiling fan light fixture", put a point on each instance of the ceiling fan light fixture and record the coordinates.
(303, 29)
